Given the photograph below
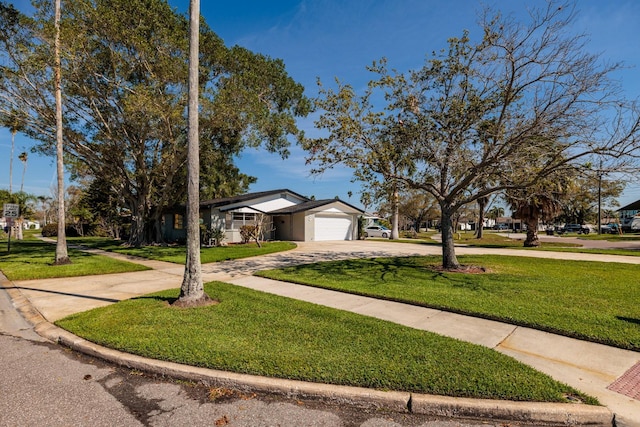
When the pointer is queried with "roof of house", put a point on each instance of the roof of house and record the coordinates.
(311, 204)
(244, 197)
(635, 206)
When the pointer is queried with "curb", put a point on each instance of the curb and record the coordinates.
(533, 413)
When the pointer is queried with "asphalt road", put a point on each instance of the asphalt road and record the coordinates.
(44, 384)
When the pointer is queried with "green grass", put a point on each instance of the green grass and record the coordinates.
(587, 300)
(493, 240)
(257, 333)
(612, 237)
(177, 254)
(33, 259)
(489, 239)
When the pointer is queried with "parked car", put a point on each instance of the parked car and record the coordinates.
(501, 227)
(377, 231)
(611, 228)
(575, 228)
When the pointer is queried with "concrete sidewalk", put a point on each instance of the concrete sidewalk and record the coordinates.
(591, 368)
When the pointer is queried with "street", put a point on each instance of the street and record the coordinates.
(45, 384)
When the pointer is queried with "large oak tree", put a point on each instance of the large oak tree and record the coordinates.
(498, 111)
(125, 94)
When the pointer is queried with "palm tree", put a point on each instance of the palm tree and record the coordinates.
(23, 158)
(495, 213)
(541, 202)
(62, 256)
(15, 123)
(45, 206)
(192, 290)
(482, 204)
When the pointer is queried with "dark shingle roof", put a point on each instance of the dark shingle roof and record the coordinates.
(635, 206)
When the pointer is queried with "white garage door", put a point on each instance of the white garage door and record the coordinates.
(333, 228)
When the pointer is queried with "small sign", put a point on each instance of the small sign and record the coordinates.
(11, 210)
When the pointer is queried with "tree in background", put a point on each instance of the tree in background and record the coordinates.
(45, 208)
(495, 212)
(580, 206)
(368, 142)
(501, 113)
(14, 123)
(418, 207)
(482, 204)
(23, 157)
(540, 202)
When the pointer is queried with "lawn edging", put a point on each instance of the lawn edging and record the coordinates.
(561, 414)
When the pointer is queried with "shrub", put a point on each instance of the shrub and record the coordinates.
(50, 230)
(247, 232)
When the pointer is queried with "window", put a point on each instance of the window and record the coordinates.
(178, 222)
(242, 218)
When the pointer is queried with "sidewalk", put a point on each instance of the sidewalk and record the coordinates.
(591, 368)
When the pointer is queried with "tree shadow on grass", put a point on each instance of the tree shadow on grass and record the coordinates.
(629, 319)
(159, 298)
(48, 291)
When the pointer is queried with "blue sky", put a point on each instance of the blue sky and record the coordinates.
(339, 38)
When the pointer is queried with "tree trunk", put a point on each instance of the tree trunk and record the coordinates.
(13, 144)
(449, 259)
(482, 204)
(192, 290)
(532, 240)
(62, 256)
(395, 234)
(137, 230)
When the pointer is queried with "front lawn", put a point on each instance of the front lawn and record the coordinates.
(33, 259)
(177, 254)
(257, 333)
(490, 239)
(587, 300)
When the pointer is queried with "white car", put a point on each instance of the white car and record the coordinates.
(377, 231)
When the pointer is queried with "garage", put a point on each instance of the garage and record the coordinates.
(333, 228)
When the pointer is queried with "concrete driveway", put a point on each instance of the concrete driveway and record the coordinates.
(57, 298)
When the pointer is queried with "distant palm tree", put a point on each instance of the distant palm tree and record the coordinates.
(45, 206)
(538, 203)
(495, 212)
(23, 158)
(15, 124)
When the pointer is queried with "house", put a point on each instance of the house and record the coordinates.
(629, 217)
(285, 215)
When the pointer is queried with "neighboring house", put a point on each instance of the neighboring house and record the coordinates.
(629, 217)
(286, 216)
(27, 224)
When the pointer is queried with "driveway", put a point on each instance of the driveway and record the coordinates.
(57, 298)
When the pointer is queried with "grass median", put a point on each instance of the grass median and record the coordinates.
(33, 259)
(595, 301)
(257, 333)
